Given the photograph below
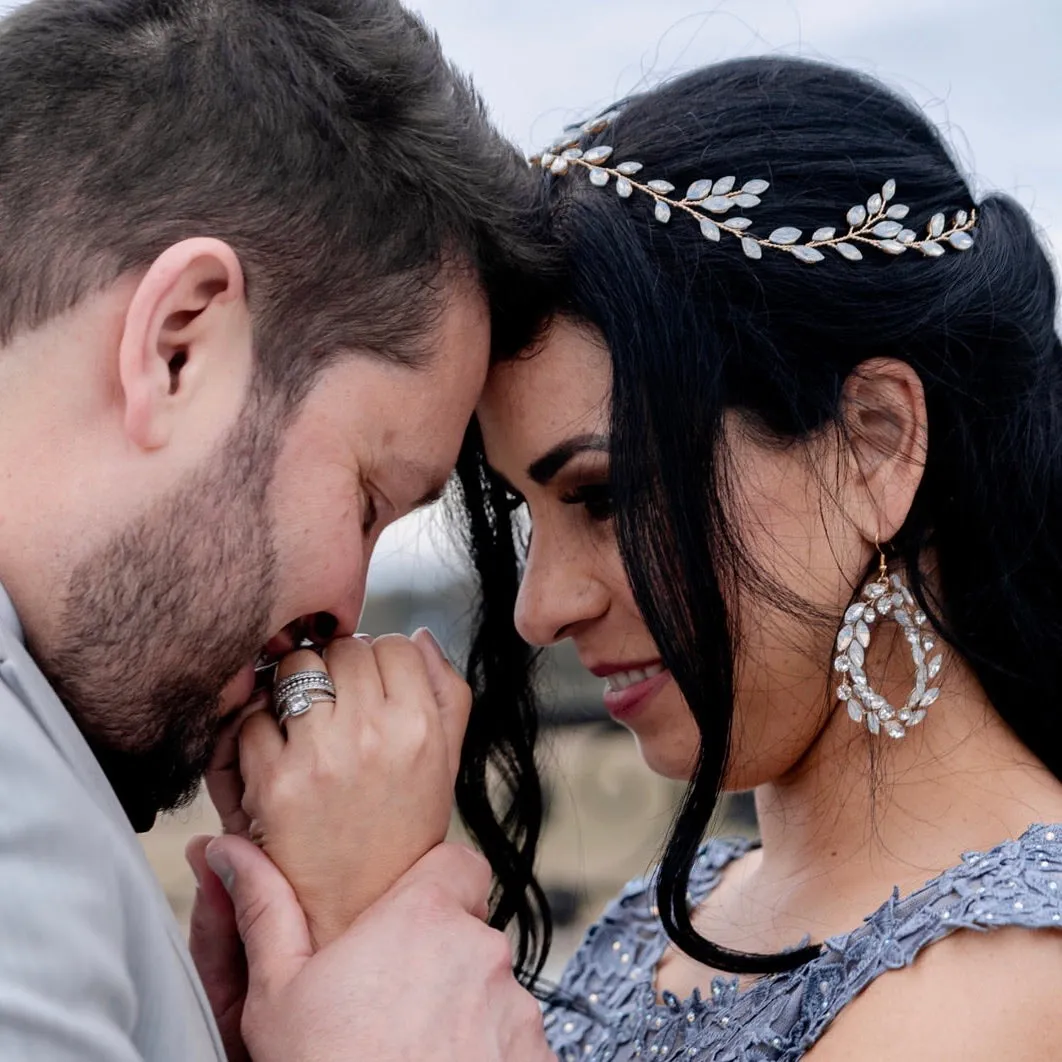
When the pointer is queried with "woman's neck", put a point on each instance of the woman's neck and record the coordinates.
(860, 815)
(875, 809)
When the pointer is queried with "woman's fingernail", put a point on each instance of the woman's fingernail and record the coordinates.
(366, 638)
(218, 862)
(424, 634)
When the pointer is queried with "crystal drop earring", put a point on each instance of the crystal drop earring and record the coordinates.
(885, 598)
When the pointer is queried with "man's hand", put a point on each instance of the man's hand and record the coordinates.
(214, 939)
(216, 947)
(418, 974)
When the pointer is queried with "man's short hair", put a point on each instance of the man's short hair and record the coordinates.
(329, 142)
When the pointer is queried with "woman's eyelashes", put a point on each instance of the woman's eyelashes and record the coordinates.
(513, 499)
(596, 498)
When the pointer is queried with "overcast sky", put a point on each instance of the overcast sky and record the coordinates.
(989, 73)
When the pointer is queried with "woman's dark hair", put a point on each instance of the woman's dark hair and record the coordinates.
(695, 328)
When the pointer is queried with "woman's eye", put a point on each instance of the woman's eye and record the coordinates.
(513, 501)
(595, 498)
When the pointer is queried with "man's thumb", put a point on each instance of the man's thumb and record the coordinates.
(463, 875)
(268, 916)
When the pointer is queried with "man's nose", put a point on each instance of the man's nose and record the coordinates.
(321, 628)
(341, 620)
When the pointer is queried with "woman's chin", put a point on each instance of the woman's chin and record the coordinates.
(664, 759)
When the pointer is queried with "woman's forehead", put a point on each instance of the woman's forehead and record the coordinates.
(569, 367)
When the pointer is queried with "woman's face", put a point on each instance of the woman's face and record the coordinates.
(545, 423)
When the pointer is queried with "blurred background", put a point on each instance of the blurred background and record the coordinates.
(988, 75)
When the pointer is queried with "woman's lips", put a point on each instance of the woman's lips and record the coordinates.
(629, 690)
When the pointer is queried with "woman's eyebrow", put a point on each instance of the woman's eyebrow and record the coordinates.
(551, 462)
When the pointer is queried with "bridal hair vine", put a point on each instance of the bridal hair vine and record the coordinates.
(878, 223)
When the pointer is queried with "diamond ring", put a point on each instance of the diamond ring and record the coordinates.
(299, 702)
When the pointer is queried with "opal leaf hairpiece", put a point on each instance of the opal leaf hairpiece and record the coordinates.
(878, 223)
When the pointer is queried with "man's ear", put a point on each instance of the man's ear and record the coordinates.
(187, 326)
(886, 425)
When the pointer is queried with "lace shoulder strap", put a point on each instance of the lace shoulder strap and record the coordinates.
(1018, 883)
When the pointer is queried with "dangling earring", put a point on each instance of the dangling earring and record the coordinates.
(885, 598)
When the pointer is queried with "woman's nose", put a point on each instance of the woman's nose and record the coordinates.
(558, 592)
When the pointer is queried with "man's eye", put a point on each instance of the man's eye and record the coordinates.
(371, 514)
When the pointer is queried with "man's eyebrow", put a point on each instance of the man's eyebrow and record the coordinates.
(431, 495)
(551, 462)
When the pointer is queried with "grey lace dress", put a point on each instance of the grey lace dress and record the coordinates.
(779, 1018)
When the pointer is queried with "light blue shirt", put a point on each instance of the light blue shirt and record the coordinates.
(93, 967)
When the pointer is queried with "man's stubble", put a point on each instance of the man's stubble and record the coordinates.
(159, 619)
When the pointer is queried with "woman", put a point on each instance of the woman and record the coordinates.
(791, 453)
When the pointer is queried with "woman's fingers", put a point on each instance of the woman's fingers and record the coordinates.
(299, 660)
(422, 692)
(322, 708)
(407, 723)
(402, 672)
(224, 780)
(352, 665)
(261, 745)
(452, 695)
(361, 789)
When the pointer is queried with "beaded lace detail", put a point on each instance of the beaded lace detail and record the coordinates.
(779, 1018)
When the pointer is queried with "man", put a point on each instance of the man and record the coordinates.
(251, 252)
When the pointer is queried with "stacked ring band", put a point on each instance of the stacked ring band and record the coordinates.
(297, 693)
(308, 680)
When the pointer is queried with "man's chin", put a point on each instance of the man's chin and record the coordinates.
(140, 793)
(161, 779)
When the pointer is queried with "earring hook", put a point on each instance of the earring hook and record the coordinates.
(883, 564)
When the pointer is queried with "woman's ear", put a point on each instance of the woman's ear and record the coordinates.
(187, 325)
(886, 429)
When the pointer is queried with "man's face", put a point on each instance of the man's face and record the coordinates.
(163, 624)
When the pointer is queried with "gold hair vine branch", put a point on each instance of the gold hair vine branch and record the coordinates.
(878, 223)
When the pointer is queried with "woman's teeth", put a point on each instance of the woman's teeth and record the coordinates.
(622, 679)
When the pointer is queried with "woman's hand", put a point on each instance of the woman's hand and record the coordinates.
(359, 790)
